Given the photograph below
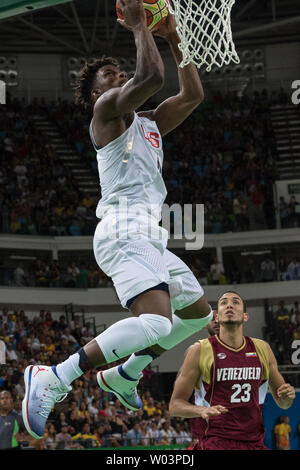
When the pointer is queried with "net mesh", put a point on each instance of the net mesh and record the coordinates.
(204, 28)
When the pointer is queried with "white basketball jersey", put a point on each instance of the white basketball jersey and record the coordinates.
(131, 167)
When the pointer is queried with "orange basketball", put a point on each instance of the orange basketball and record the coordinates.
(156, 13)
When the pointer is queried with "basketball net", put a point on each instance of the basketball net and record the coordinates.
(204, 28)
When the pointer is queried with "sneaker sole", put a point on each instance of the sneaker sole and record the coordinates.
(104, 385)
(27, 378)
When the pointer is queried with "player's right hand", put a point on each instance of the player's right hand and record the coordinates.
(133, 12)
(206, 412)
(167, 28)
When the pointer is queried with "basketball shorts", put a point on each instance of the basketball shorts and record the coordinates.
(137, 259)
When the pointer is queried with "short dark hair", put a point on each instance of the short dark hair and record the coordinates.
(86, 79)
(6, 391)
(233, 292)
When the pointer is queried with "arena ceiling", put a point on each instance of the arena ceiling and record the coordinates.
(88, 28)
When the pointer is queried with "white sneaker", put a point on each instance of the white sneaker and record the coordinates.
(113, 380)
(42, 390)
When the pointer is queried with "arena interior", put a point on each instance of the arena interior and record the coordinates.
(238, 154)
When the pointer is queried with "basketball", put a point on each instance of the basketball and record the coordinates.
(156, 12)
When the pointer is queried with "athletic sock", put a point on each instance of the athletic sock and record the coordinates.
(118, 341)
(68, 370)
(73, 367)
(138, 361)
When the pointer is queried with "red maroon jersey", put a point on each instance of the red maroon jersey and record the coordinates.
(238, 380)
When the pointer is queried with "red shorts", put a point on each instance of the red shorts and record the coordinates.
(219, 443)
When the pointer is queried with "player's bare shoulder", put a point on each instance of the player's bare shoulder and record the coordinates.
(192, 354)
(105, 105)
(192, 347)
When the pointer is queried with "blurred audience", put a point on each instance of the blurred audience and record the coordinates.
(229, 166)
(234, 269)
(282, 328)
(88, 417)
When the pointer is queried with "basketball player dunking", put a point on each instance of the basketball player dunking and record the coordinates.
(234, 371)
(162, 293)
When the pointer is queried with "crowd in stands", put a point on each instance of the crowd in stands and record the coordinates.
(38, 194)
(282, 328)
(268, 269)
(229, 162)
(83, 274)
(289, 212)
(47, 273)
(223, 156)
(88, 417)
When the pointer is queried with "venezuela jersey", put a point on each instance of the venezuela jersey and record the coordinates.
(238, 380)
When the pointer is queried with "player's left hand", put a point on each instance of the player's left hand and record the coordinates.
(206, 412)
(124, 24)
(286, 392)
(168, 27)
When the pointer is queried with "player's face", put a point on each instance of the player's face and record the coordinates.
(231, 310)
(213, 327)
(6, 401)
(110, 76)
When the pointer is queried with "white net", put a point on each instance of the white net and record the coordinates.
(204, 28)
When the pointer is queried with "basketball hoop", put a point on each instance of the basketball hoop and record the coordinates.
(204, 28)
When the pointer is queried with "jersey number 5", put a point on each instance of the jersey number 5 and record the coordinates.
(241, 393)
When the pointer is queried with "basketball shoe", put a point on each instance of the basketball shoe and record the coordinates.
(43, 389)
(115, 380)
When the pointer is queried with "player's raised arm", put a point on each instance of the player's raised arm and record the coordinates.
(173, 111)
(282, 392)
(184, 387)
(149, 74)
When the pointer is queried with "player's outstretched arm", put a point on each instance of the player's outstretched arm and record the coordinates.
(149, 74)
(173, 111)
(184, 387)
(282, 392)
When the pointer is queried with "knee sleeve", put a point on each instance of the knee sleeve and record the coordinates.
(132, 334)
(155, 326)
(183, 329)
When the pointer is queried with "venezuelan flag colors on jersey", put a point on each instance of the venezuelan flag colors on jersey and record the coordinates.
(238, 380)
